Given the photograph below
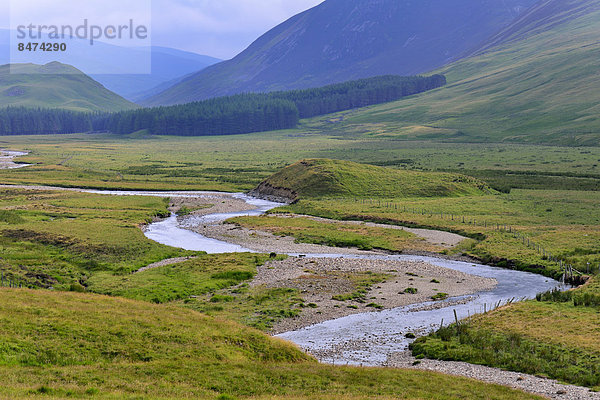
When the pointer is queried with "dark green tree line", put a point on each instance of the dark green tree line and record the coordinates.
(27, 121)
(244, 113)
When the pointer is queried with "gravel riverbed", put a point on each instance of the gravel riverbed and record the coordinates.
(320, 279)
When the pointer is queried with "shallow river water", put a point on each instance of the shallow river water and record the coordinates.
(7, 159)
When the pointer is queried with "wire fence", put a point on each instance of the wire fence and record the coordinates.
(10, 282)
(567, 269)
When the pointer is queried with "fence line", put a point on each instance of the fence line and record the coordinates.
(567, 269)
(9, 283)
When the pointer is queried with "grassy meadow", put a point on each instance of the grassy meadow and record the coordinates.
(58, 239)
(77, 241)
(240, 162)
(72, 345)
(306, 230)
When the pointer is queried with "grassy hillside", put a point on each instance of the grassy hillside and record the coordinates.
(65, 345)
(56, 85)
(538, 86)
(323, 178)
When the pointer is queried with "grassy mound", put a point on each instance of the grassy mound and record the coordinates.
(335, 178)
(73, 345)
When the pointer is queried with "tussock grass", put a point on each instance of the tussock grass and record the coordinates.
(555, 336)
(201, 275)
(557, 340)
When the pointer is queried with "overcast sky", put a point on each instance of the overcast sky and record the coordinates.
(219, 28)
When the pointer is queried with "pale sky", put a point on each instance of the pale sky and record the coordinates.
(218, 28)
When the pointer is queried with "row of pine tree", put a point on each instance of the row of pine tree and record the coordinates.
(244, 113)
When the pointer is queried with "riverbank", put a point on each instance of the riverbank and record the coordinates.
(396, 328)
(527, 383)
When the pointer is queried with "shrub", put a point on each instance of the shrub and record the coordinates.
(217, 298)
(76, 287)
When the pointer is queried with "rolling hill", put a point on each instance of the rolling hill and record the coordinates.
(341, 40)
(335, 178)
(534, 82)
(56, 85)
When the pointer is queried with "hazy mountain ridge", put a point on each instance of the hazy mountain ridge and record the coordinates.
(340, 40)
(168, 65)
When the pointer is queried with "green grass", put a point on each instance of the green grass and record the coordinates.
(216, 285)
(201, 275)
(240, 162)
(56, 86)
(258, 307)
(505, 181)
(335, 178)
(555, 337)
(51, 238)
(63, 345)
(334, 234)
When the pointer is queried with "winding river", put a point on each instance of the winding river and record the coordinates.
(360, 339)
(367, 338)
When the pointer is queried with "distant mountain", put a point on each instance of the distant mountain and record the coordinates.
(169, 67)
(56, 85)
(342, 40)
(535, 82)
(106, 61)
